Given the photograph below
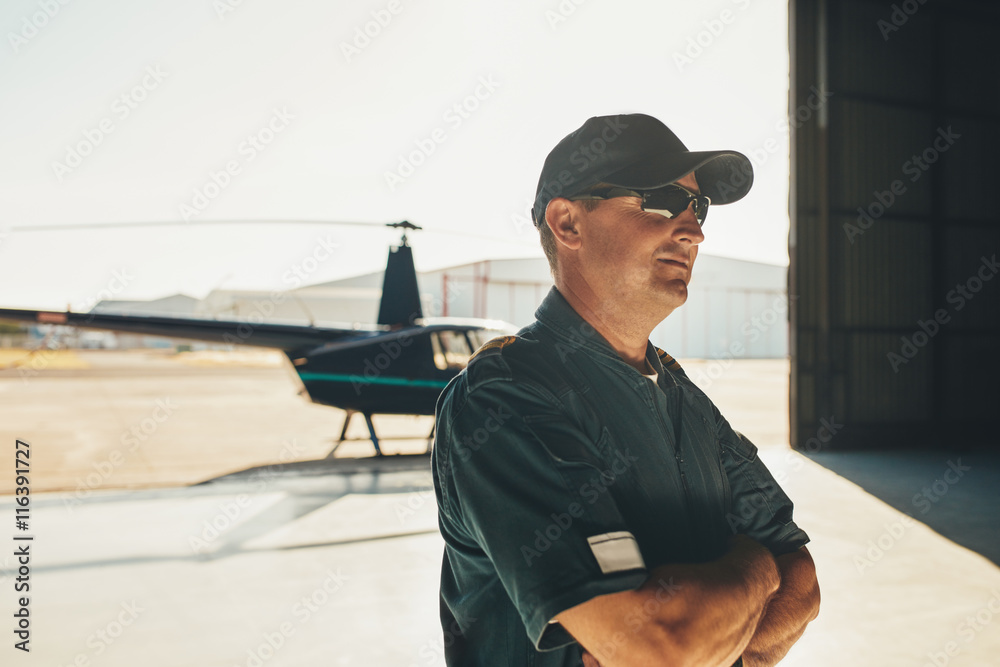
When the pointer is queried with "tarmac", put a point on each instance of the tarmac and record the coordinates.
(184, 512)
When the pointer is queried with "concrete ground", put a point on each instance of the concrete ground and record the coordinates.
(138, 558)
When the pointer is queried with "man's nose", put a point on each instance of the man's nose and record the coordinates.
(687, 227)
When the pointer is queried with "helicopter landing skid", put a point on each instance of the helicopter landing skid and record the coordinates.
(371, 431)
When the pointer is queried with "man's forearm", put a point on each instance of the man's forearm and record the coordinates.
(722, 608)
(789, 610)
(727, 604)
(707, 618)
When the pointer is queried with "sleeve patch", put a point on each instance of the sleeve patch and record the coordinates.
(616, 552)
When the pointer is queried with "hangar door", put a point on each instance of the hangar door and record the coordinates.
(895, 115)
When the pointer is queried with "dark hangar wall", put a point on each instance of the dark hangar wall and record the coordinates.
(894, 203)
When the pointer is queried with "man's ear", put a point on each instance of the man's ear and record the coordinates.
(561, 217)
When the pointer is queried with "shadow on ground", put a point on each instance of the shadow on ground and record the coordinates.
(955, 493)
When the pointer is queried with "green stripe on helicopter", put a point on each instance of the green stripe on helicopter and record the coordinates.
(361, 379)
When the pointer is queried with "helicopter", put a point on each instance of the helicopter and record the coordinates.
(399, 366)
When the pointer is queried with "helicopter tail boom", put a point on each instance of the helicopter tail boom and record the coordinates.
(276, 336)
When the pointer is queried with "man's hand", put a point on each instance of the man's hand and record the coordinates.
(707, 619)
(755, 564)
(789, 610)
(792, 598)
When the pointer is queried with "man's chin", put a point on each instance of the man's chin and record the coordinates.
(672, 294)
(677, 288)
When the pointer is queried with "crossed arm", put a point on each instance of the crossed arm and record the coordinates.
(794, 604)
(746, 603)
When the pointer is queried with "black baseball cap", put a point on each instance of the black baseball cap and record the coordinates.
(637, 152)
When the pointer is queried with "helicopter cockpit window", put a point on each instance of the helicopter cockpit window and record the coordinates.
(451, 349)
(477, 337)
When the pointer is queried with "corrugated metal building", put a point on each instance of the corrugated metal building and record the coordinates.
(734, 307)
(895, 117)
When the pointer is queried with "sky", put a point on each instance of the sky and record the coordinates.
(440, 113)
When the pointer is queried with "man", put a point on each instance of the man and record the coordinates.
(597, 509)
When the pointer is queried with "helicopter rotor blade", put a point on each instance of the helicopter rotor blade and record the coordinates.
(175, 223)
(198, 223)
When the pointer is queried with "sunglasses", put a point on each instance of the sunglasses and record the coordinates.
(670, 200)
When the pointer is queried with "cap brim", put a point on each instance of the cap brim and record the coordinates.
(725, 176)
